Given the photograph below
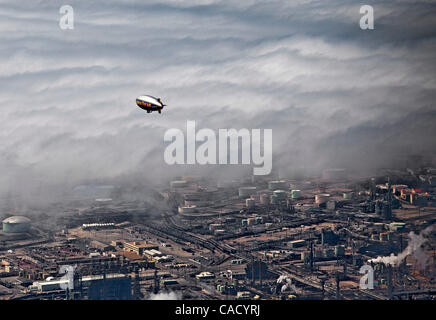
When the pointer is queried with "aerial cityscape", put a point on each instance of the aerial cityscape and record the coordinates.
(258, 237)
(212, 154)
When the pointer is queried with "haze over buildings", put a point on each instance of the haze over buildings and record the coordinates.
(90, 209)
(331, 92)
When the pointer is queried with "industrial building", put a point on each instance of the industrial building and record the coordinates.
(139, 247)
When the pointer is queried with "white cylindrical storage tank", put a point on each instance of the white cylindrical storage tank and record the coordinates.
(277, 185)
(190, 209)
(16, 224)
(178, 184)
(296, 194)
(250, 203)
(321, 198)
(246, 192)
(281, 194)
(218, 232)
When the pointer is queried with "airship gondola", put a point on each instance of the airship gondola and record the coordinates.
(149, 103)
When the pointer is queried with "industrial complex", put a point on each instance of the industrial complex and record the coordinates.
(331, 236)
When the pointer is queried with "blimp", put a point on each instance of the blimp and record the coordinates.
(149, 103)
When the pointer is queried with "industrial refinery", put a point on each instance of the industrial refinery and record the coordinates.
(331, 236)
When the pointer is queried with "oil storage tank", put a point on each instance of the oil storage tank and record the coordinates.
(178, 184)
(265, 199)
(321, 198)
(16, 224)
(246, 192)
(277, 185)
(280, 194)
(187, 209)
(296, 194)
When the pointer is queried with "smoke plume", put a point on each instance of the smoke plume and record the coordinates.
(165, 296)
(287, 283)
(413, 248)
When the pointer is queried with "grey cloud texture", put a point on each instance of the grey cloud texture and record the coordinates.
(333, 94)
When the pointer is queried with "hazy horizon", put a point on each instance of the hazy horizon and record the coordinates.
(333, 94)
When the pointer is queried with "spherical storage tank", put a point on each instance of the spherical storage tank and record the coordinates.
(16, 224)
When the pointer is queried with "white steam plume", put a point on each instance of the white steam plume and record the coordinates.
(165, 296)
(287, 283)
(414, 248)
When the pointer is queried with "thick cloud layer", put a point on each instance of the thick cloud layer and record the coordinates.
(334, 95)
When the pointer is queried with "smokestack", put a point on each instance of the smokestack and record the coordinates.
(345, 269)
(156, 283)
(403, 264)
(260, 273)
(136, 285)
(311, 256)
(252, 271)
(322, 288)
(390, 287)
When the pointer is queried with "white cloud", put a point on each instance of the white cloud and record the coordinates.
(302, 68)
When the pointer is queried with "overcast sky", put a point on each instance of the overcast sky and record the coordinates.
(334, 95)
